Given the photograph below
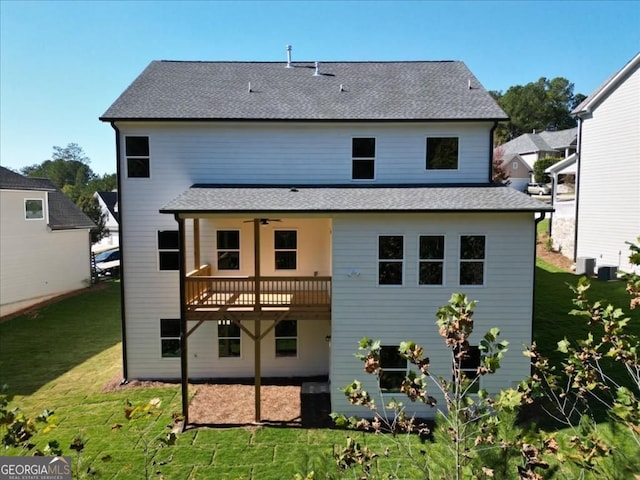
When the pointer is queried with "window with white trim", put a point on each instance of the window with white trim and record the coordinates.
(170, 337)
(472, 259)
(137, 153)
(469, 364)
(363, 153)
(431, 260)
(442, 153)
(393, 368)
(285, 244)
(228, 243)
(390, 259)
(228, 339)
(169, 249)
(286, 333)
(33, 209)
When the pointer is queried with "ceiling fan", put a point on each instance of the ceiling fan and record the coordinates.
(265, 221)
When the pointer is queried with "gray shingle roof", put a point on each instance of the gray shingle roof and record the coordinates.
(63, 213)
(370, 91)
(561, 139)
(202, 198)
(110, 199)
(542, 142)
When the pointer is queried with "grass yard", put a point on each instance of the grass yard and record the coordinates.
(61, 357)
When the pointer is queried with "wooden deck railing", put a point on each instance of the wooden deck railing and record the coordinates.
(204, 291)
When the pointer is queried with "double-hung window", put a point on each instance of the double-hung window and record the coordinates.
(442, 153)
(169, 250)
(431, 253)
(170, 337)
(286, 333)
(286, 249)
(33, 209)
(137, 153)
(390, 259)
(228, 243)
(472, 259)
(393, 369)
(363, 153)
(228, 339)
(469, 364)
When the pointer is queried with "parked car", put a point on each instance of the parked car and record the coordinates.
(108, 263)
(538, 189)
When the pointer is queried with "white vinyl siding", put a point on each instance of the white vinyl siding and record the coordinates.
(360, 308)
(609, 202)
(37, 263)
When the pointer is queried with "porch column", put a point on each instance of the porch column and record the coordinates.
(184, 370)
(258, 312)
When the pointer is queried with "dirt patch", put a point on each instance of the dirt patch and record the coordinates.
(552, 257)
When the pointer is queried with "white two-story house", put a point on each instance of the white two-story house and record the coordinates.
(273, 214)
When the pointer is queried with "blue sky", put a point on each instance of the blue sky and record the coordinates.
(63, 63)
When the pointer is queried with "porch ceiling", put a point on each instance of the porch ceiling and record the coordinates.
(207, 198)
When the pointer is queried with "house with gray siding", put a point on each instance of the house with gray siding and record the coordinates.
(608, 193)
(274, 213)
(44, 242)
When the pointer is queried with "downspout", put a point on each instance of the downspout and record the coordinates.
(535, 269)
(577, 201)
(184, 368)
(493, 129)
(123, 314)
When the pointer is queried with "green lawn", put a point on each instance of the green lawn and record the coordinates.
(62, 357)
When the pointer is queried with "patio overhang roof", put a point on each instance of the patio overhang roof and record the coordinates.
(262, 199)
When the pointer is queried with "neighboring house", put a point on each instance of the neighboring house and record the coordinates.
(44, 242)
(518, 170)
(534, 146)
(608, 198)
(273, 214)
(109, 204)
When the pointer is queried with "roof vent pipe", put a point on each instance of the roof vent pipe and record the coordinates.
(317, 72)
(289, 57)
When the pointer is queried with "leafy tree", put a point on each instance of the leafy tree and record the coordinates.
(69, 170)
(499, 173)
(540, 105)
(541, 165)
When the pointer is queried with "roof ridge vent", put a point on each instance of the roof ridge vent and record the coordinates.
(289, 57)
(317, 72)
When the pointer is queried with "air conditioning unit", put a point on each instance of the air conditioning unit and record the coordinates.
(607, 272)
(585, 266)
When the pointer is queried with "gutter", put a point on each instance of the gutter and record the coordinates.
(123, 314)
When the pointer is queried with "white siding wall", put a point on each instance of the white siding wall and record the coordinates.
(609, 209)
(37, 263)
(394, 314)
(186, 153)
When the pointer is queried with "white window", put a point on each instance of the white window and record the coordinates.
(390, 259)
(469, 367)
(286, 249)
(170, 337)
(228, 339)
(169, 249)
(137, 153)
(228, 243)
(394, 369)
(442, 153)
(33, 209)
(286, 333)
(514, 166)
(363, 153)
(472, 259)
(431, 258)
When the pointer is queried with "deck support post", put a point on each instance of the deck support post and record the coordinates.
(258, 313)
(184, 370)
(196, 243)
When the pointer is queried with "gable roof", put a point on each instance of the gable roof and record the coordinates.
(593, 100)
(511, 157)
(63, 213)
(257, 199)
(110, 199)
(343, 91)
(546, 141)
